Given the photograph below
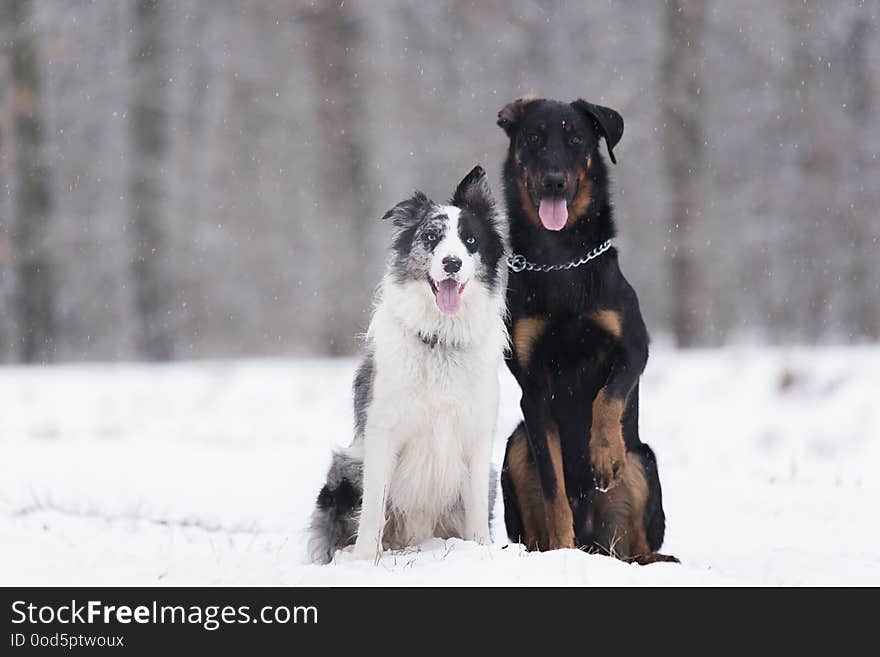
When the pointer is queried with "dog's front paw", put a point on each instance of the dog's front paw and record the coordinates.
(564, 541)
(480, 537)
(359, 552)
(608, 458)
(478, 534)
(362, 555)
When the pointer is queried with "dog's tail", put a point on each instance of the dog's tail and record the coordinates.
(335, 518)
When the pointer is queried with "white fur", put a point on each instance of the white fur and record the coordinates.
(451, 245)
(431, 420)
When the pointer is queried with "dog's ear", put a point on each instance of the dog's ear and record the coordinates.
(473, 193)
(510, 115)
(608, 121)
(409, 212)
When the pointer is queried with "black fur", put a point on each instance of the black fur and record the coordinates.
(363, 392)
(478, 220)
(334, 521)
(512, 517)
(655, 519)
(575, 356)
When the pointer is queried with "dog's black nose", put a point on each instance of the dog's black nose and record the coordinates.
(451, 264)
(553, 183)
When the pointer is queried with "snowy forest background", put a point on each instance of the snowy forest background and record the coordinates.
(198, 178)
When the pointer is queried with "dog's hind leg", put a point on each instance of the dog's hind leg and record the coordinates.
(621, 522)
(512, 517)
(523, 500)
(333, 523)
(655, 518)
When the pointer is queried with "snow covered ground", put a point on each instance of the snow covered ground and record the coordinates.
(205, 473)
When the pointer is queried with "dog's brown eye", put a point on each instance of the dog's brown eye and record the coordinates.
(533, 138)
(575, 140)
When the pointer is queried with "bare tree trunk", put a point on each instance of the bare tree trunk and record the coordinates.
(33, 298)
(819, 167)
(6, 160)
(148, 124)
(344, 209)
(860, 316)
(683, 145)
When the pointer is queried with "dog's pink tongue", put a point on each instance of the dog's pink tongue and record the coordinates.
(448, 297)
(553, 213)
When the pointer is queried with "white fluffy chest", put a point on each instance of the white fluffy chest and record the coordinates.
(439, 406)
(432, 468)
(433, 409)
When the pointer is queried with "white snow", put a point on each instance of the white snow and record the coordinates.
(205, 473)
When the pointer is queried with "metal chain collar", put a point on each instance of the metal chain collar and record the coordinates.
(518, 263)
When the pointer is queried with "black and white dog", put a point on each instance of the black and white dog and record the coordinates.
(426, 392)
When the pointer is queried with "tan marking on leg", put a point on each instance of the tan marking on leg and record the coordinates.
(620, 513)
(560, 523)
(607, 449)
(526, 332)
(527, 489)
(635, 487)
(609, 320)
(621, 516)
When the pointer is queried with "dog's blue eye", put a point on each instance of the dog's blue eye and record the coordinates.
(430, 237)
(471, 240)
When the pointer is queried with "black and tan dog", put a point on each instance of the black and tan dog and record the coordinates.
(575, 472)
